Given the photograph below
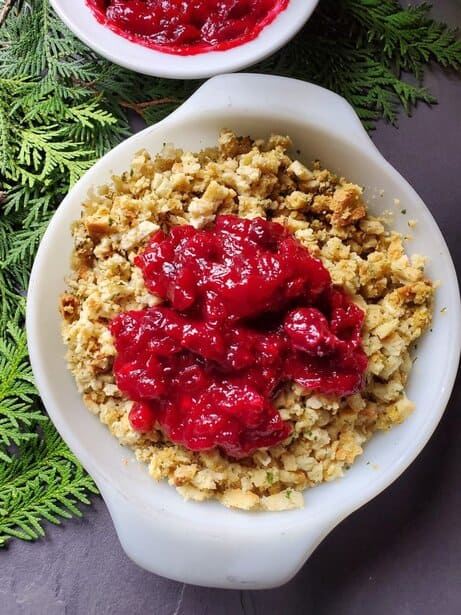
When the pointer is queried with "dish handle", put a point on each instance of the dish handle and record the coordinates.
(281, 96)
(205, 554)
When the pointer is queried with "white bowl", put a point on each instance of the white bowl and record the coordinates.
(80, 19)
(205, 543)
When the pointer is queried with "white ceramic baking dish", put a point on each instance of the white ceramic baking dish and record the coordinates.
(205, 543)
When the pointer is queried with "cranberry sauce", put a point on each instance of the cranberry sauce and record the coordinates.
(189, 26)
(246, 310)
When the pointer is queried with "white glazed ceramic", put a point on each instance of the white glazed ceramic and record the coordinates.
(205, 543)
(80, 19)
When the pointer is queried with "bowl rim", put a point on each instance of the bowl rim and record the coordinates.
(80, 20)
(355, 146)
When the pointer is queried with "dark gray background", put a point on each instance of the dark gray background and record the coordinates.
(400, 554)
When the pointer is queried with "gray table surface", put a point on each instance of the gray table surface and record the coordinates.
(400, 554)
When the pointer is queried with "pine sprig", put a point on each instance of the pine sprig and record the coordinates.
(407, 36)
(365, 50)
(62, 107)
(19, 411)
(42, 483)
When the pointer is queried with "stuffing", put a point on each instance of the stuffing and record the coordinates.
(328, 215)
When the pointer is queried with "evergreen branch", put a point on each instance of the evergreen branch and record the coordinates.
(140, 108)
(43, 483)
(24, 243)
(19, 415)
(5, 10)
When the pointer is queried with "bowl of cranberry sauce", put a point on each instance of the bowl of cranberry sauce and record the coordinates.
(188, 27)
(187, 39)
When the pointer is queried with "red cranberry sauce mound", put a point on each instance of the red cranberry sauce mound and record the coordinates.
(189, 26)
(246, 310)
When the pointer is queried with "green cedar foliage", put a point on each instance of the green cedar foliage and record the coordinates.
(62, 107)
